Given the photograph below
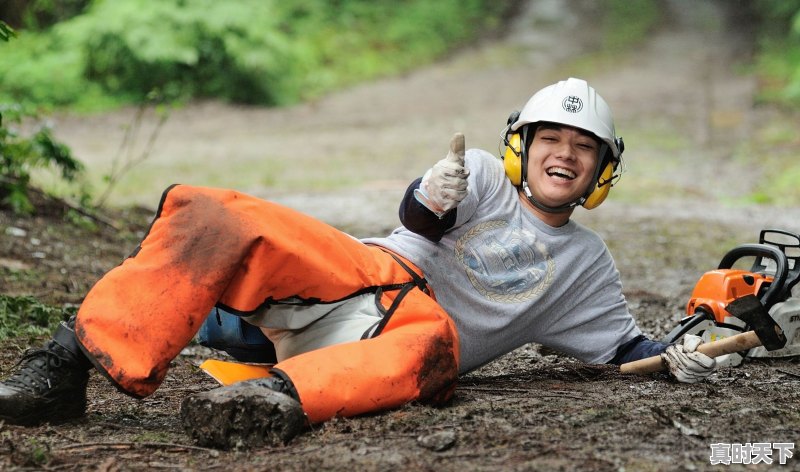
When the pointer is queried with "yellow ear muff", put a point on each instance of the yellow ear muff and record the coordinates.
(512, 159)
(600, 192)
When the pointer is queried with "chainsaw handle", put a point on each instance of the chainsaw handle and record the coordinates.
(761, 250)
(737, 343)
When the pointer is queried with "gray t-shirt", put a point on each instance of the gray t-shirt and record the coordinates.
(507, 279)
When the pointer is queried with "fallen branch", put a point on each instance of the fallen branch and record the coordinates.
(71, 206)
(78, 209)
(791, 374)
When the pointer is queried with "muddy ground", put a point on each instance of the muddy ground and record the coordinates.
(533, 409)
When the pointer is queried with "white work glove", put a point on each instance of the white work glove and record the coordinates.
(445, 184)
(685, 364)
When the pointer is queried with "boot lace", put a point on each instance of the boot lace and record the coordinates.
(40, 369)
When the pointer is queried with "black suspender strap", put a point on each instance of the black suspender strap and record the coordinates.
(420, 282)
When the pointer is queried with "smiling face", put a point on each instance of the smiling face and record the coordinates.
(561, 166)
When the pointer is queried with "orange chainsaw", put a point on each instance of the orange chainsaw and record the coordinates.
(775, 270)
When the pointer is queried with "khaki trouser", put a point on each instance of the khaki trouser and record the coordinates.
(211, 246)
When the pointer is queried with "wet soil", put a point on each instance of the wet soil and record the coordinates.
(533, 409)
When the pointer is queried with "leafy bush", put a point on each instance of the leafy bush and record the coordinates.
(41, 14)
(251, 51)
(20, 155)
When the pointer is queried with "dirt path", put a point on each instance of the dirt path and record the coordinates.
(678, 97)
(347, 158)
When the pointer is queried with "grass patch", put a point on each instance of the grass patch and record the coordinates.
(655, 151)
(27, 316)
(772, 152)
(781, 185)
(19, 275)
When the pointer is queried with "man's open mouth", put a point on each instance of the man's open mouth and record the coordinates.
(561, 173)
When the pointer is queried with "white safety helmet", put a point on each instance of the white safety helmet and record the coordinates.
(574, 103)
(571, 102)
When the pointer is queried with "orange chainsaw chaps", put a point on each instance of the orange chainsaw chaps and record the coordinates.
(209, 246)
(414, 358)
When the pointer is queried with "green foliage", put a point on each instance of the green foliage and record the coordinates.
(27, 316)
(6, 32)
(777, 16)
(250, 51)
(778, 61)
(185, 49)
(38, 452)
(777, 68)
(19, 156)
(40, 14)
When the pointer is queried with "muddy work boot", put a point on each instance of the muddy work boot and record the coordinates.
(252, 413)
(49, 384)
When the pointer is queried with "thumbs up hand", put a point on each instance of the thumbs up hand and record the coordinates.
(445, 184)
(456, 153)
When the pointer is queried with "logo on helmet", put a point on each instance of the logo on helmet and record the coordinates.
(572, 104)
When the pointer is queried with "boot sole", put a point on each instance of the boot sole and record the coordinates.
(242, 416)
(52, 413)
